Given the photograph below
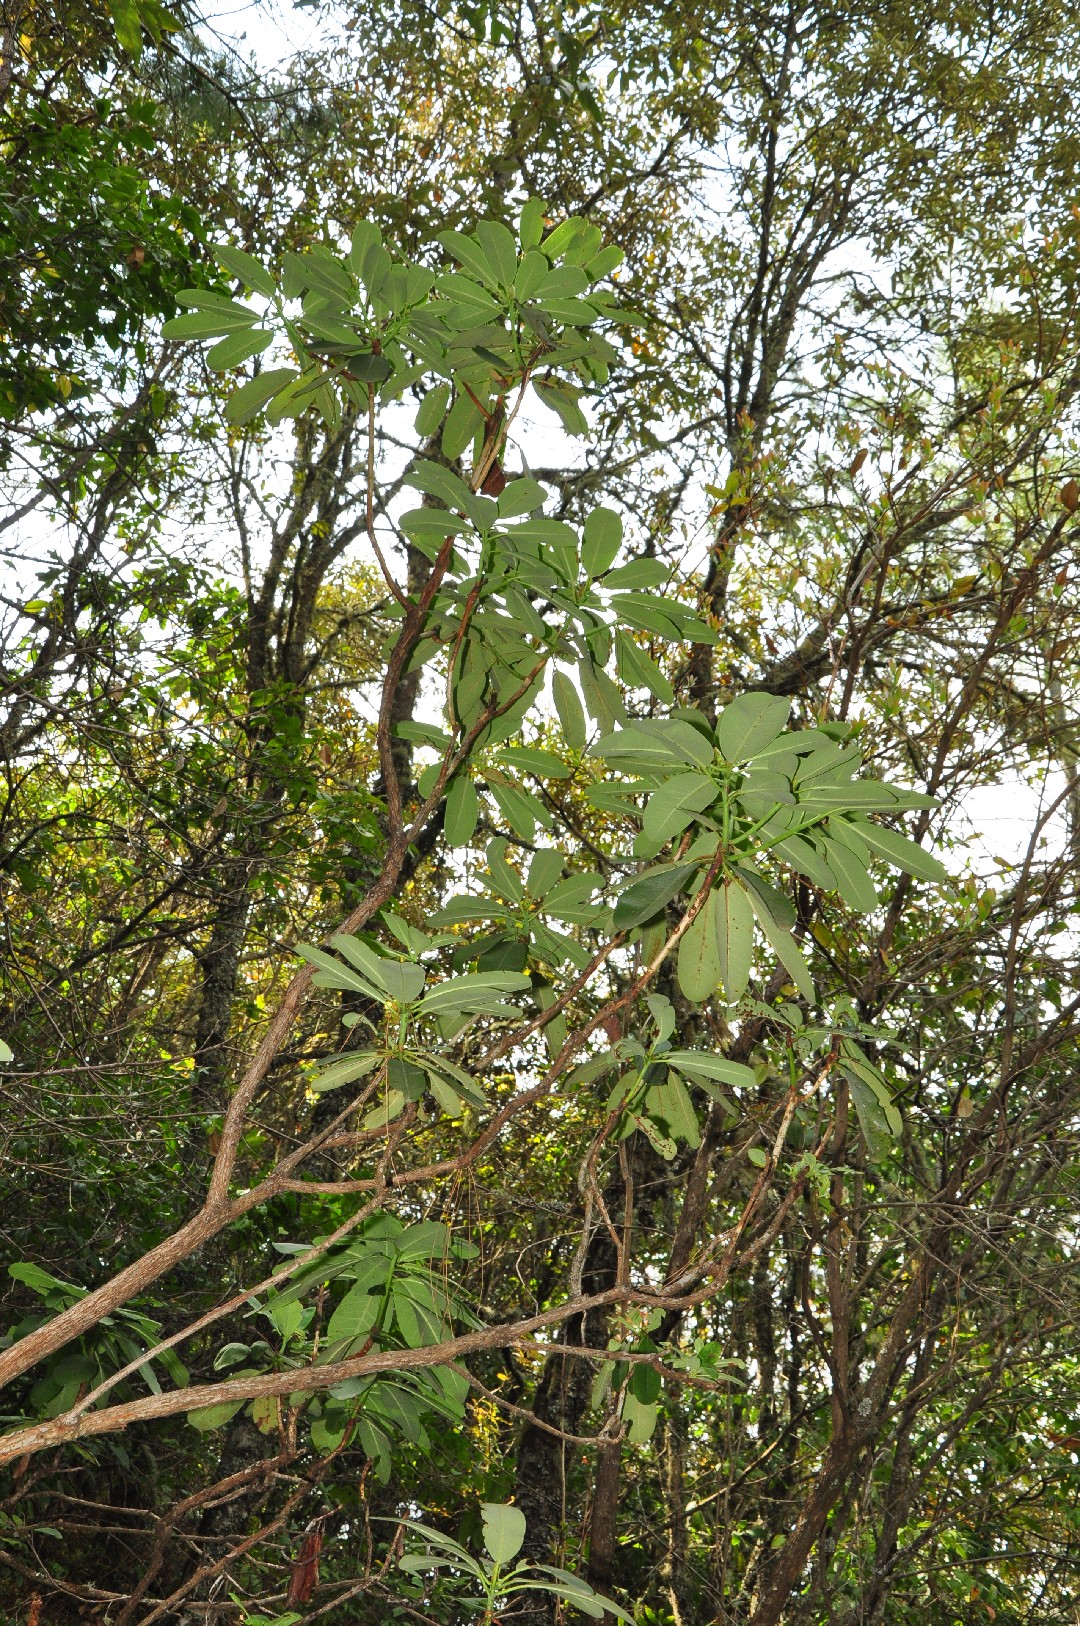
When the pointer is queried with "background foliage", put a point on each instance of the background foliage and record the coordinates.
(707, 1192)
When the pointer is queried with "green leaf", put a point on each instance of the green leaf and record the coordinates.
(645, 1383)
(520, 809)
(39, 1281)
(355, 1315)
(871, 1115)
(703, 1064)
(128, 25)
(475, 991)
(775, 902)
(470, 254)
(670, 1103)
(504, 1531)
(246, 267)
(672, 806)
(638, 670)
(207, 1418)
(700, 972)
(323, 273)
(637, 574)
(499, 249)
(570, 233)
(462, 422)
(644, 747)
(601, 541)
(734, 938)
(432, 409)
(522, 496)
(231, 1355)
(568, 900)
(545, 764)
(531, 273)
(642, 1420)
(251, 397)
(563, 400)
(209, 324)
(438, 481)
(346, 1070)
(749, 723)
(685, 739)
(332, 974)
(238, 348)
(900, 851)
(782, 944)
(807, 860)
(462, 811)
(570, 711)
(852, 880)
(505, 879)
(649, 893)
(868, 794)
(531, 223)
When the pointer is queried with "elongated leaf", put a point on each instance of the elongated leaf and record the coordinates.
(670, 1103)
(900, 851)
(601, 540)
(690, 742)
(207, 1418)
(700, 971)
(852, 879)
(438, 481)
(476, 989)
(807, 860)
(749, 723)
(239, 347)
(469, 253)
(778, 905)
(734, 938)
(704, 1064)
(461, 1082)
(843, 831)
(332, 974)
(246, 267)
(505, 879)
(346, 1070)
(251, 397)
(782, 944)
(638, 670)
(649, 893)
(642, 1421)
(462, 811)
(432, 410)
(673, 805)
(462, 422)
(871, 1115)
(569, 900)
(563, 401)
(870, 794)
(545, 764)
(522, 496)
(208, 324)
(355, 1315)
(638, 573)
(401, 982)
(571, 712)
(500, 250)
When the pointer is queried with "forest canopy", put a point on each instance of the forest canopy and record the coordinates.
(539, 814)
